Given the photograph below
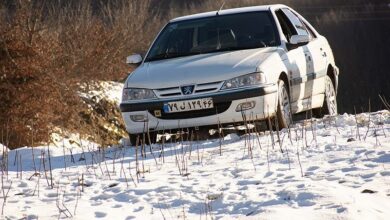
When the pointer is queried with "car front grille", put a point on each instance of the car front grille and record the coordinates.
(175, 92)
(218, 108)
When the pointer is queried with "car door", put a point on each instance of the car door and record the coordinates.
(315, 57)
(294, 59)
(319, 62)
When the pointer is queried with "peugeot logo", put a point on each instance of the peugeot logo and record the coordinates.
(187, 90)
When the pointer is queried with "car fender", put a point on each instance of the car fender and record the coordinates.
(274, 66)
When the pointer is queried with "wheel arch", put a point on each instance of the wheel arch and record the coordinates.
(284, 122)
(283, 76)
(331, 72)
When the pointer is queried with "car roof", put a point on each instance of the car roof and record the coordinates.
(229, 11)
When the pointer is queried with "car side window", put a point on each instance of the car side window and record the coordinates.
(296, 22)
(286, 25)
(311, 32)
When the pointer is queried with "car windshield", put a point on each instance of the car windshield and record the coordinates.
(215, 34)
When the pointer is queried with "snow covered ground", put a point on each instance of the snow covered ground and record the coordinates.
(329, 169)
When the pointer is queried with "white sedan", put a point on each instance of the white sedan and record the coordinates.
(228, 66)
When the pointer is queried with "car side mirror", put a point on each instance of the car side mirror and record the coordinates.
(299, 39)
(134, 59)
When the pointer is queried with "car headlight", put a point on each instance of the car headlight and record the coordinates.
(130, 94)
(246, 80)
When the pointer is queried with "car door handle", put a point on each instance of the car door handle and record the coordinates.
(324, 53)
(308, 57)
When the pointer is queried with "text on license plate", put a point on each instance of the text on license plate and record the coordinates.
(188, 105)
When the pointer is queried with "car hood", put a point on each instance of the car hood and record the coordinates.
(196, 69)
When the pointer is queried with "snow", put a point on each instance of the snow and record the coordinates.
(108, 90)
(345, 167)
(3, 148)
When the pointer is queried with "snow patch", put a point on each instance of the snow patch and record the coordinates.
(109, 90)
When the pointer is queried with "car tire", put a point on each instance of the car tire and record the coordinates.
(133, 138)
(329, 107)
(283, 112)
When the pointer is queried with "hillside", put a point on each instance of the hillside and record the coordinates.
(49, 48)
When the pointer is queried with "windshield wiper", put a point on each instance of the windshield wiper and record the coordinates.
(160, 56)
(230, 49)
(164, 56)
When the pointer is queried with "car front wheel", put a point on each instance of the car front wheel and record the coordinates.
(133, 138)
(283, 112)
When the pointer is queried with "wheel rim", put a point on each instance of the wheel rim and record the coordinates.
(285, 106)
(331, 100)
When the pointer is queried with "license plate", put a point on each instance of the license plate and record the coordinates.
(188, 105)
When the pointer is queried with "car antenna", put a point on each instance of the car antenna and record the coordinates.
(221, 7)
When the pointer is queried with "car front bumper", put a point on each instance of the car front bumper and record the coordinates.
(224, 111)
